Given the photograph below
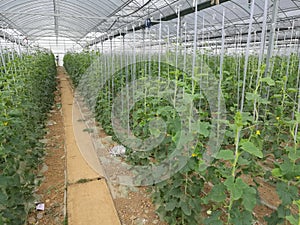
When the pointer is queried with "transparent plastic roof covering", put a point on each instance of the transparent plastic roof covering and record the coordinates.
(88, 21)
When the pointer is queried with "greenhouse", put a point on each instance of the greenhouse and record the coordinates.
(180, 112)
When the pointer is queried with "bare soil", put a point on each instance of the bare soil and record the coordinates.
(137, 208)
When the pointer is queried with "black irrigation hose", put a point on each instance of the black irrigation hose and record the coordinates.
(112, 25)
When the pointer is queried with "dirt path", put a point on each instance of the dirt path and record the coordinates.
(88, 198)
(133, 204)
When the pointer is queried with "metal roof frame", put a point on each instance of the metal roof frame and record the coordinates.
(111, 18)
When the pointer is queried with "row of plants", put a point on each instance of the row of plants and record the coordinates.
(27, 84)
(74, 69)
(266, 129)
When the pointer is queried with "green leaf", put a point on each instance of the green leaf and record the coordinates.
(251, 96)
(234, 187)
(240, 217)
(276, 96)
(273, 219)
(213, 219)
(294, 154)
(292, 219)
(176, 137)
(225, 154)
(229, 183)
(293, 90)
(204, 128)
(264, 101)
(249, 198)
(297, 117)
(3, 197)
(185, 208)
(177, 182)
(194, 203)
(176, 192)
(170, 206)
(277, 172)
(217, 193)
(161, 211)
(268, 80)
(201, 128)
(287, 169)
(154, 131)
(202, 166)
(3, 180)
(283, 211)
(169, 219)
(286, 193)
(243, 161)
(239, 182)
(252, 149)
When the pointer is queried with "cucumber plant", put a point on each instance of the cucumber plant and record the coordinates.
(226, 191)
(27, 87)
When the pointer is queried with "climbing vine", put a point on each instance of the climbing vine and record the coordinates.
(27, 83)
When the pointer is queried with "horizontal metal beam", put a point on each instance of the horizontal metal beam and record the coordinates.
(52, 35)
(184, 12)
(11, 24)
(11, 38)
(57, 15)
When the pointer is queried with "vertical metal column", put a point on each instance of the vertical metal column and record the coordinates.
(247, 55)
(272, 34)
(160, 49)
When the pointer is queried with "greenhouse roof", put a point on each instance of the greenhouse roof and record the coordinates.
(84, 21)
